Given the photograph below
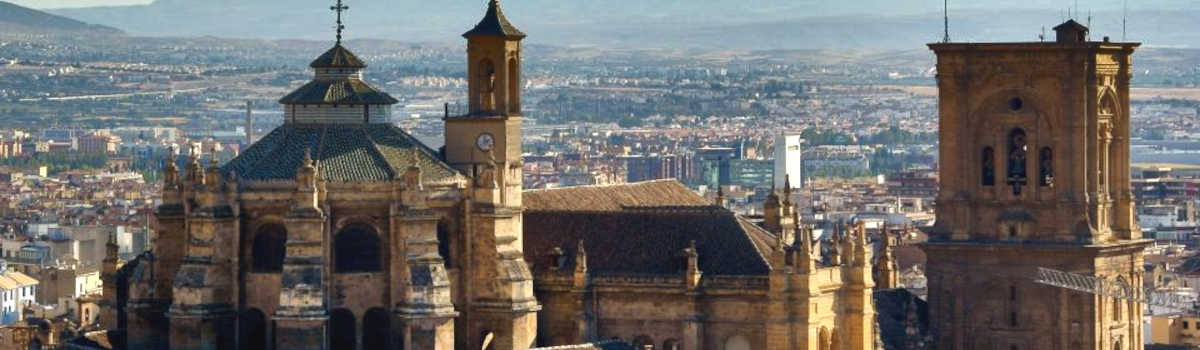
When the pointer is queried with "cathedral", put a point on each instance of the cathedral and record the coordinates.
(338, 230)
(1034, 142)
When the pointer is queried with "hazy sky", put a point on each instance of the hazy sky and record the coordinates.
(845, 5)
(75, 3)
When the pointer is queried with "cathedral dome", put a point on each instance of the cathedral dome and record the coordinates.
(338, 81)
(342, 153)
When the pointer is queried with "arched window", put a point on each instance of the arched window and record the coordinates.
(341, 329)
(253, 334)
(357, 249)
(487, 85)
(444, 247)
(514, 86)
(376, 325)
(823, 339)
(987, 164)
(269, 247)
(1017, 148)
(1046, 167)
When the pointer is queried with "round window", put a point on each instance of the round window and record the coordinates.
(1015, 104)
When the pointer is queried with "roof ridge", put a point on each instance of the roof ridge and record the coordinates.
(747, 226)
(627, 184)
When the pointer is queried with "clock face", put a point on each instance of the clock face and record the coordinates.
(485, 142)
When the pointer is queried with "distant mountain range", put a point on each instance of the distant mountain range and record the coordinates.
(730, 24)
(18, 19)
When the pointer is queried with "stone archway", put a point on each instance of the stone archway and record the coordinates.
(376, 327)
(341, 329)
(357, 248)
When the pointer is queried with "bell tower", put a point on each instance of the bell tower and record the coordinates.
(485, 143)
(1034, 173)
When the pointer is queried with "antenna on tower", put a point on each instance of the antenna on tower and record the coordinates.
(946, 20)
(1124, 16)
(1089, 24)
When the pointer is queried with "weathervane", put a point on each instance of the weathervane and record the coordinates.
(339, 8)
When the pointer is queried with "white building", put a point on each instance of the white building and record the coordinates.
(788, 161)
(17, 290)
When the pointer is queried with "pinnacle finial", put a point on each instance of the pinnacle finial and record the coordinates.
(339, 8)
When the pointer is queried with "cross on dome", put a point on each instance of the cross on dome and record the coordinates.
(339, 8)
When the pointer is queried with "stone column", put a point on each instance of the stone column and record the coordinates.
(202, 315)
(300, 319)
(150, 297)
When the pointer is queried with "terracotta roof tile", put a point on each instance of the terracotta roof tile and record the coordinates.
(659, 193)
(640, 228)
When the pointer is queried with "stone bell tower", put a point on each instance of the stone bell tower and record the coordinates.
(485, 143)
(1035, 173)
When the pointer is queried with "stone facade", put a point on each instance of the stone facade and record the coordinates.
(340, 231)
(658, 266)
(1035, 173)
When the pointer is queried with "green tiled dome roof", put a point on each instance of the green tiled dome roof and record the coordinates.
(339, 91)
(343, 153)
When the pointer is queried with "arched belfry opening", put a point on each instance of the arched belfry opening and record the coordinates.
(487, 85)
(1046, 167)
(514, 85)
(987, 165)
(1017, 153)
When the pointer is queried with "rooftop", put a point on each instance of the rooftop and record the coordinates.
(495, 24)
(341, 152)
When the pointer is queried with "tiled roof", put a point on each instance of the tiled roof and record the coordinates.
(495, 24)
(343, 153)
(346, 91)
(649, 194)
(21, 278)
(1071, 24)
(7, 283)
(338, 57)
(640, 229)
